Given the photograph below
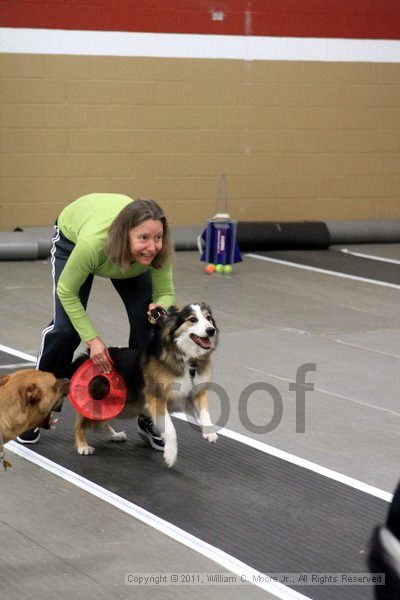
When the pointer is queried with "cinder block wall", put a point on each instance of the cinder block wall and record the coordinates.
(297, 140)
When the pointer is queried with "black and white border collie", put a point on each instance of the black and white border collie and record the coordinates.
(170, 376)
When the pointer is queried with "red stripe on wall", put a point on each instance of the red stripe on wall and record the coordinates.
(373, 19)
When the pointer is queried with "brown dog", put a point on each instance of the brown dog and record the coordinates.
(26, 401)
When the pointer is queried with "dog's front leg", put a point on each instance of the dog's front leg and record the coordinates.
(159, 414)
(203, 416)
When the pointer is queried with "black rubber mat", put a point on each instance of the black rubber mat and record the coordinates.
(268, 513)
(340, 262)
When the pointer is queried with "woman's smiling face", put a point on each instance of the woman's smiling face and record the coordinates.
(145, 241)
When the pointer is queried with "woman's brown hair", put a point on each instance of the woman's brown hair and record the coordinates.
(135, 213)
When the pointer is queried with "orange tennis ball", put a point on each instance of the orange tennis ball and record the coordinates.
(209, 269)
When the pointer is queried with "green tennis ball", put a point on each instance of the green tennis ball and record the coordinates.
(219, 268)
(227, 269)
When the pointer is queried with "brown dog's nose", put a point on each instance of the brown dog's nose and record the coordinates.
(210, 331)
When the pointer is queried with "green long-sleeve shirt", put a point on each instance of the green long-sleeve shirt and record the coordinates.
(85, 222)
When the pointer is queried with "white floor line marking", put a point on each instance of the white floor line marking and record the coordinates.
(219, 556)
(328, 393)
(292, 458)
(22, 287)
(324, 271)
(360, 346)
(17, 353)
(296, 460)
(360, 402)
(370, 256)
(17, 365)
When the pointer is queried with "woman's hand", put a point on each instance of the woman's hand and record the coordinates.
(100, 355)
(152, 306)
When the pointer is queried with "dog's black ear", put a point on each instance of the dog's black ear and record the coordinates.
(170, 318)
(172, 311)
(207, 308)
(4, 379)
(33, 394)
(170, 322)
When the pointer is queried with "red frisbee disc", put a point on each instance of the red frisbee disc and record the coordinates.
(111, 398)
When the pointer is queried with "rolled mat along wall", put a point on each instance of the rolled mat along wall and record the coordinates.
(251, 235)
(377, 231)
(265, 235)
(32, 243)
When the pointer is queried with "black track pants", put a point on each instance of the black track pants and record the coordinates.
(59, 338)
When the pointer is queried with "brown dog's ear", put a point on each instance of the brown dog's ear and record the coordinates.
(4, 379)
(33, 394)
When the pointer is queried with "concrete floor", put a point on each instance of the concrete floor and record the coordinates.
(273, 319)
